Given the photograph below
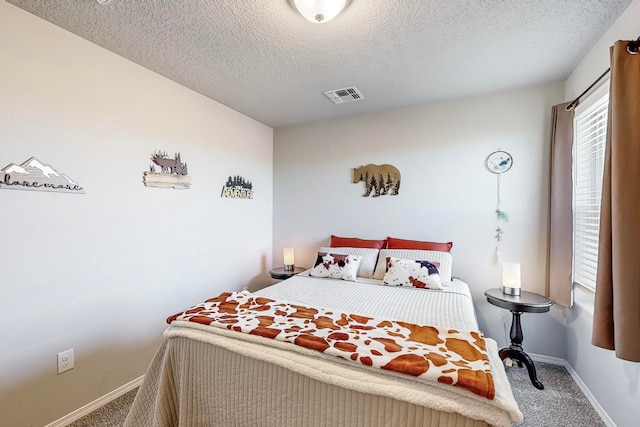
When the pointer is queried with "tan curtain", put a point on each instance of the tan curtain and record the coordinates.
(616, 322)
(559, 284)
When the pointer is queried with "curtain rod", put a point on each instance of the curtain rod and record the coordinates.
(633, 47)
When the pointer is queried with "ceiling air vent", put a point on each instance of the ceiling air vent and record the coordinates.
(346, 94)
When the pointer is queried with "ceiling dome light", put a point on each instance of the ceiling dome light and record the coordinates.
(319, 11)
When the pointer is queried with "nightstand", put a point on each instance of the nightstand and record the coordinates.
(280, 273)
(528, 302)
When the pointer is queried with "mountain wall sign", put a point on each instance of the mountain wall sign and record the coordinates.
(34, 175)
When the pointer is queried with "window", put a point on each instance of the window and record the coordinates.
(590, 134)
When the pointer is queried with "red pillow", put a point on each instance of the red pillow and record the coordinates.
(393, 243)
(352, 242)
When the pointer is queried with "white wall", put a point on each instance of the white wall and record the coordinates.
(446, 193)
(613, 382)
(101, 272)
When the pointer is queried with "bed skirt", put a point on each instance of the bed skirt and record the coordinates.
(192, 383)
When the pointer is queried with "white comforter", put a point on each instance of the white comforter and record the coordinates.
(450, 307)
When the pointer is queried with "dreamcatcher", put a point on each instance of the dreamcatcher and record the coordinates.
(498, 163)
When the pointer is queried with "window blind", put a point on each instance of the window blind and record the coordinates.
(588, 165)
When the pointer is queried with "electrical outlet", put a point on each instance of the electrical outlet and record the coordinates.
(66, 361)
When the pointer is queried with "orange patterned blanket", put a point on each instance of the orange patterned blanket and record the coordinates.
(428, 353)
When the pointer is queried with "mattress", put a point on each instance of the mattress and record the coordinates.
(211, 376)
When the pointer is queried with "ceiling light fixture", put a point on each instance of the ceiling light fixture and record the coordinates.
(319, 11)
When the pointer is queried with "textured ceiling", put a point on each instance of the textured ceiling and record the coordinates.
(261, 58)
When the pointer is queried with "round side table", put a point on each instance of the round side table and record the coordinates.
(528, 302)
(280, 273)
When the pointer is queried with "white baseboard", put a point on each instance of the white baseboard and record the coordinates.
(79, 413)
(548, 359)
(562, 362)
(101, 401)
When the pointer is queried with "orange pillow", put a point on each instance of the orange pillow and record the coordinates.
(393, 243)
(352, 242)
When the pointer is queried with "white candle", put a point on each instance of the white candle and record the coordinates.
(287, 254)
(511, 275)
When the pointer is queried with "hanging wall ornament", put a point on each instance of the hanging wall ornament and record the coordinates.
(498, 163)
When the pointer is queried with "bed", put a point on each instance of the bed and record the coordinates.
(215, 376)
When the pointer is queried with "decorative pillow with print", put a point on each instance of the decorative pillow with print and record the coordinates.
(416, 273)
(336, 266)
(368, 262)
(442, 260)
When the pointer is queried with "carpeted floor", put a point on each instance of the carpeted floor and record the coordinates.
(110, 415)
(560, 404)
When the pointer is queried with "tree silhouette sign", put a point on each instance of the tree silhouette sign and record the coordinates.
(378, 179)
(237, 187)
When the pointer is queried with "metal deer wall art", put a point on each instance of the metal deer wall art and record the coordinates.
(173, 173)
